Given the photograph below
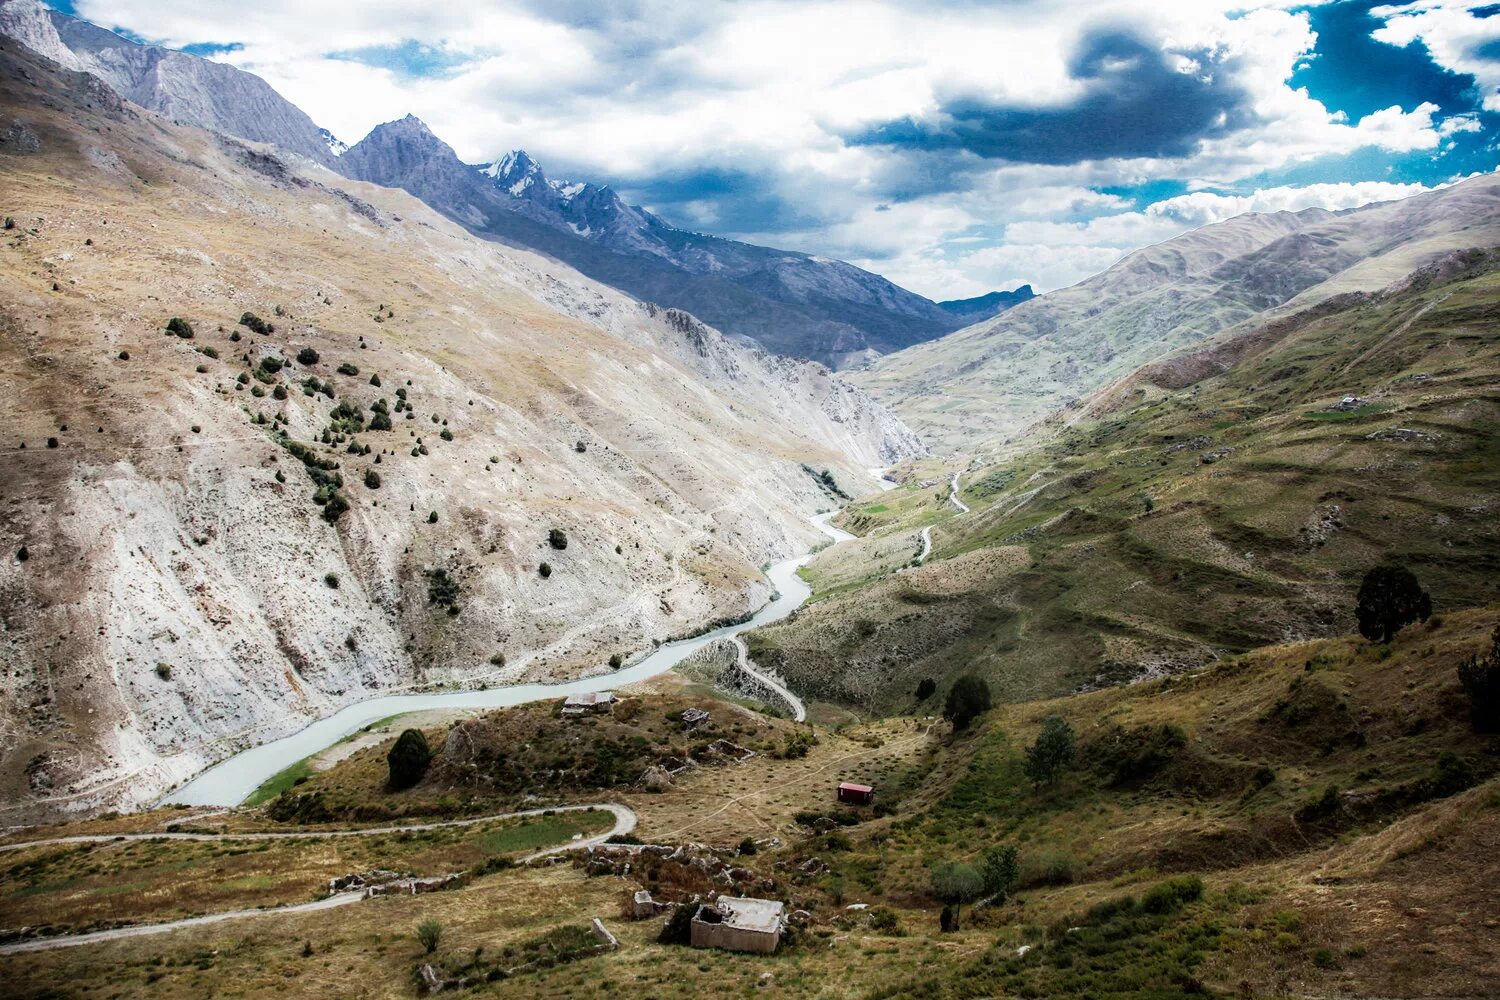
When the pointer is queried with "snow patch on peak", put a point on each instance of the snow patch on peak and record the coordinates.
(568, 190)
(335, 146)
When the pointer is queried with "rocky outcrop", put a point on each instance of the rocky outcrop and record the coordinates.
(179, 86)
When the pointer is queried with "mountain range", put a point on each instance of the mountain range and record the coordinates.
(790, 303)
(979, 389)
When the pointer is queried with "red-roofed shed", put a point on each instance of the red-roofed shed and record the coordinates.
(856, 795)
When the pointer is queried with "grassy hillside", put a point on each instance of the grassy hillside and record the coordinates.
(1211, 503)
(1307, 819)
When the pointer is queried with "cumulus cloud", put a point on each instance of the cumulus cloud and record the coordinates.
(952, 146)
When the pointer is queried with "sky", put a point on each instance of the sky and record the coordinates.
(954, 146)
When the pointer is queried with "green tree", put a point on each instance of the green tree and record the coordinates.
(1390, 598)
(557, 538)
(1000, 866)
(307, 356)
(1480, 677)
(968, 698)
(926, 688)
(429, 932)
(408, 759)
(1051, 753)
(957, 883)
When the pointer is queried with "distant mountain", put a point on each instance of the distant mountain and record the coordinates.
(982, 307)
(790, 303)
(180, 86)
(982, 385)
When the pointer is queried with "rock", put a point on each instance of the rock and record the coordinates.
(19, 138)
(657, 779)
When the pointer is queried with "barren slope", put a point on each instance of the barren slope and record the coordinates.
(178, 598)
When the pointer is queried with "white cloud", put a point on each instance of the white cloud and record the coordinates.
(1453, 34)
(770, 88)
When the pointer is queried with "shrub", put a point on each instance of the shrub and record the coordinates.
(1173, 894)
(432, 517)
(256, 324)
(747, 846)
(307, 356)
(332, 580)
(429, 932)
(271, 365)
(1389, 599)
(335, 507)
(279, 392)
(443, 590)
(999, 867)
(164, 671)
(968, 698)
(124, 355)
(678, 928)
(408, 759)
(52, 442)
(926, 688)
(180, 327)
(557, 538)
(1051, 753)
(616, 661)
(1480, 677)
(545, 569)
(375, 380)
(23, 554)
(580, 447)
(372, 479)
(347, 369)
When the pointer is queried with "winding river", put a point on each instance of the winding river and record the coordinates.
(231, 781)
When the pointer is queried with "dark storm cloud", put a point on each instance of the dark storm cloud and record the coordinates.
(1137, 102)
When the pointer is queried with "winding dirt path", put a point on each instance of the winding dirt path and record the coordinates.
(963, 508)
(625, 821)
(799, 711)
(926, 544)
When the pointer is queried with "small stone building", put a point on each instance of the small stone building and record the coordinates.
(738, 923)
(589, 703)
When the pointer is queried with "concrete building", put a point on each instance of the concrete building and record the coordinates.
(738, 923)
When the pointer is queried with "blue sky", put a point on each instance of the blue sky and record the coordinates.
(952, 145)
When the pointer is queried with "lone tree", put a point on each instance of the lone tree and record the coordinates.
(926, 688)
(1480, 676)
(408, 759)
(957, 883)
(999, 867)
(429, 932)
(1051, 753)
(1390, 598)
(968, 698)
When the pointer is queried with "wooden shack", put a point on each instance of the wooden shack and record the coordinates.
(737, 923)
(856, 795)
